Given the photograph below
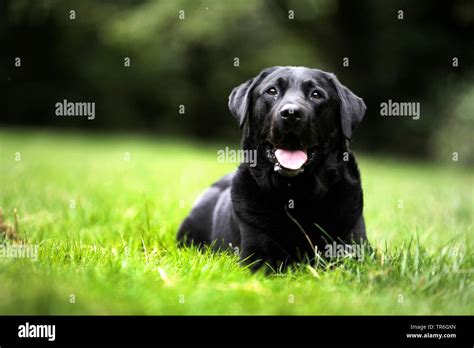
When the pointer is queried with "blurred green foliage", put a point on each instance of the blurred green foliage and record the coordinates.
(190, 61)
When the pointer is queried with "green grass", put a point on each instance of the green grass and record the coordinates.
(116, 252)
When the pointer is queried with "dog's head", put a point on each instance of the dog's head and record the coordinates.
(293, 115)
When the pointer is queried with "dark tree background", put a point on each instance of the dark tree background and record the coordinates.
(190, 62)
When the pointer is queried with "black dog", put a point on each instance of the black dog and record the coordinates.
(305, 191)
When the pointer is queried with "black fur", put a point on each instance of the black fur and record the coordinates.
(279, 219)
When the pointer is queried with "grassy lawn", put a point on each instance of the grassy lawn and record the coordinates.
(105, 229)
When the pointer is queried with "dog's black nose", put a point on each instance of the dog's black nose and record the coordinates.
(291, 112)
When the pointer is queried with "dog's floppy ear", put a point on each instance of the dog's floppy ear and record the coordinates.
(352, 108)
(239, 98)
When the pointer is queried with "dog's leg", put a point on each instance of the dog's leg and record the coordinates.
(262, 251)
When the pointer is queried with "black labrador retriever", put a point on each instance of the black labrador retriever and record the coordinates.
(305, 191)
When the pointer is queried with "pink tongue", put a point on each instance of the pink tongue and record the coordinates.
(291, 159)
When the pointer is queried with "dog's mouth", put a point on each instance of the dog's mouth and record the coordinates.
(289, 157)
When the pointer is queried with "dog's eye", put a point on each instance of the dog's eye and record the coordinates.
(272, 91)
(316, 95)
